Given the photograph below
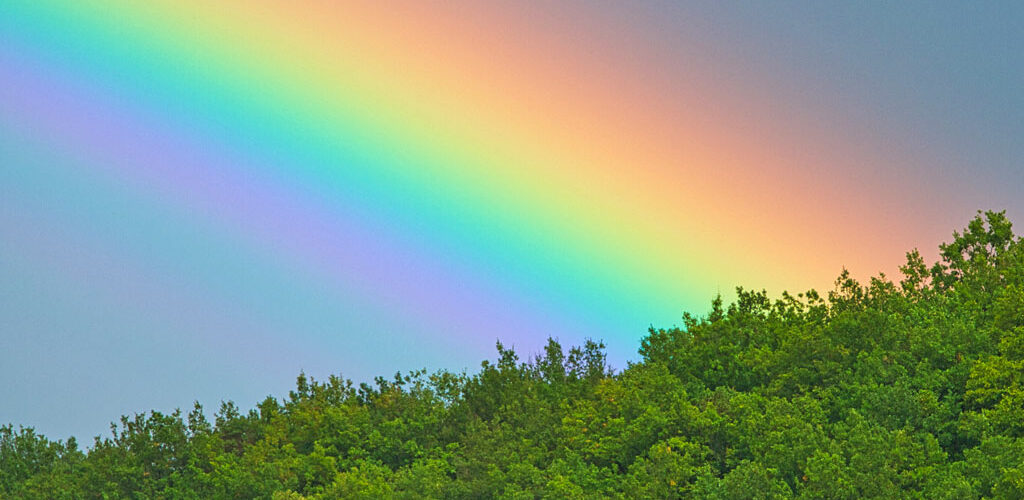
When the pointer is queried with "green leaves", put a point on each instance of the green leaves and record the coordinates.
(912, 389)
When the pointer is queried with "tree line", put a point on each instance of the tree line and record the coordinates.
(886, 389)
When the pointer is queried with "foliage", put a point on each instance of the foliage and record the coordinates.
(912, 389)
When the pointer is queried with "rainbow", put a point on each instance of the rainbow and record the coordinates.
(429, 176)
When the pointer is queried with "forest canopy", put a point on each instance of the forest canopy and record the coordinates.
(886, 389)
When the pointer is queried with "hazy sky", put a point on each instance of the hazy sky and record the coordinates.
(198, 200)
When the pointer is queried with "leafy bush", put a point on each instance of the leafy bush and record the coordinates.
(912, 389)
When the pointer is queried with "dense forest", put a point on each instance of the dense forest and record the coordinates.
(887, 389)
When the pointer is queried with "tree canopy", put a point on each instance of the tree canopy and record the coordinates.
(906, 389)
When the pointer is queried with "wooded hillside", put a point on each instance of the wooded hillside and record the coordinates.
(911, 388)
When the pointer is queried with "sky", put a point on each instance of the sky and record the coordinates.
(199, 200)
